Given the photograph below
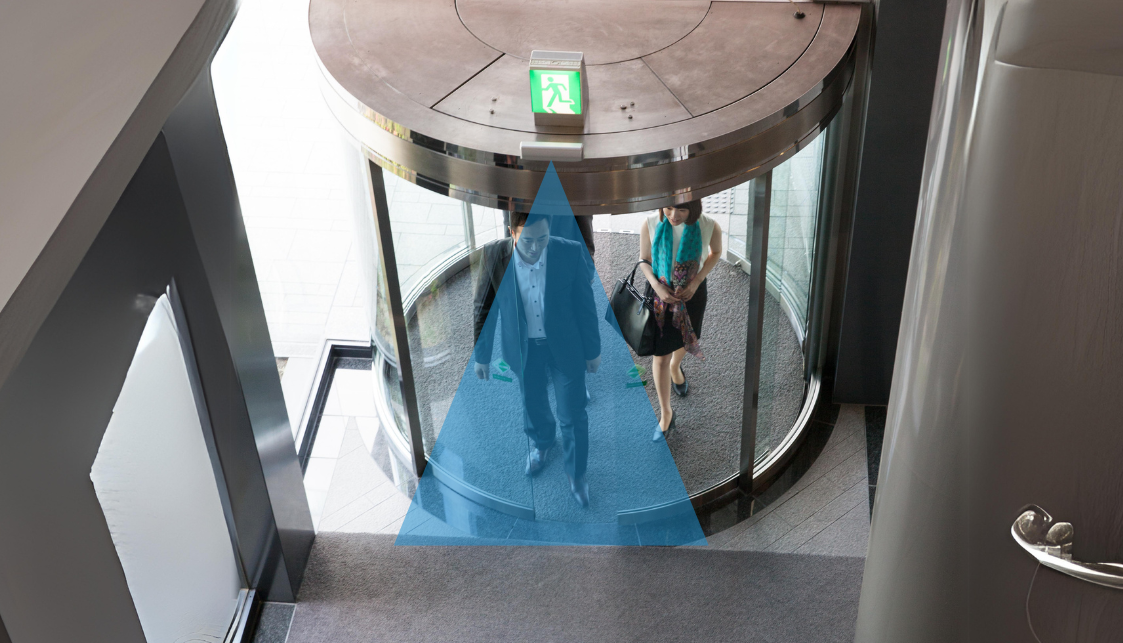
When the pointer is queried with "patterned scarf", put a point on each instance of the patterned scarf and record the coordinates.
(675, 274)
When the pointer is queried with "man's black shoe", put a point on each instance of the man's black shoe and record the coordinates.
(535, 460)
(580, 489)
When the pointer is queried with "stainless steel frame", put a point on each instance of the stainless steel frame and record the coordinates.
(389, 267)
(628, 171)
(758, 257)
(243, 614)
(188, 349)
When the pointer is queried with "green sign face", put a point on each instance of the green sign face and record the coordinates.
(555, 92)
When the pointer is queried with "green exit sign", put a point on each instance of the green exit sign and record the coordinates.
(555, 92)
(559, 90)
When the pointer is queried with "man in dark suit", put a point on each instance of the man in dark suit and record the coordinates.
(549, 324)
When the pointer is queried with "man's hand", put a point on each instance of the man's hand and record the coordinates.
(483, 371)
(592, 365)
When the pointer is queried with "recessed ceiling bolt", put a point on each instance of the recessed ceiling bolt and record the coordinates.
(491, 111)
(494, 98)
(629, 117)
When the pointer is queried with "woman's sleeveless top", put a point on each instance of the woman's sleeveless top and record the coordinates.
(706, 228)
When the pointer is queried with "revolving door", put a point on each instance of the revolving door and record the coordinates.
(422, 250)
(445, 148)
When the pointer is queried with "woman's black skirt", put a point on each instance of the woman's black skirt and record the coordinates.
(670, 340)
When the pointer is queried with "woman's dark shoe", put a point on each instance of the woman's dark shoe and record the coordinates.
(660, 434)
(681, 389)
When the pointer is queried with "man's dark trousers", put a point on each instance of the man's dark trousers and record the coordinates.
(569, 391)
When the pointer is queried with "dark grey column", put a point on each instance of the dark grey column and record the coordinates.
(4, 633)
(41, 287)
(904, 66)
(55, 406)
(206, 180)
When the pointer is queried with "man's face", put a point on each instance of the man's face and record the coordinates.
(677, 216)
(531, 240)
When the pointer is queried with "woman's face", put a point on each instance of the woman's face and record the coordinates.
(677, 216)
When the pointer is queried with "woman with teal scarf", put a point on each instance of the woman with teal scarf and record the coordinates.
(681, 246)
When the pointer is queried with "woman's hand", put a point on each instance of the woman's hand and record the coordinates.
(664, 293)
(687, 292)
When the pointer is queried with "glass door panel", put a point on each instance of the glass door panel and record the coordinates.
(793, 212)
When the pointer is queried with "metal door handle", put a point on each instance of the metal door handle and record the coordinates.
(1051, 544)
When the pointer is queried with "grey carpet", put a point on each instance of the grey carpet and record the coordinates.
(706, 447)
(359, 587)
(274, 622)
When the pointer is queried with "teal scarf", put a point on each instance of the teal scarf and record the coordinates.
(677, 273)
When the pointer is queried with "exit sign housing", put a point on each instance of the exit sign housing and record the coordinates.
(559, 89)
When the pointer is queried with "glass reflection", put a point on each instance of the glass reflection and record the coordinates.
(791, 239)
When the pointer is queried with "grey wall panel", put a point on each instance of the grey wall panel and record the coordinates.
(206, 180)
(903, 77)
(55, 406)
(29, 304)
(53, 412)
(1008, 376)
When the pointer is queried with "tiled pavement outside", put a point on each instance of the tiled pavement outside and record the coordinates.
(826, 512)
(347, 490)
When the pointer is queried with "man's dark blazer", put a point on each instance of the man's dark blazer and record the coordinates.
(572, 330)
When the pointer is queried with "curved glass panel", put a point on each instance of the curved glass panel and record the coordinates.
(791, 241)
(793, 214)
(428, 228)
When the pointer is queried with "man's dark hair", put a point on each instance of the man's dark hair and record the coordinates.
(694, 207)
(520, 219)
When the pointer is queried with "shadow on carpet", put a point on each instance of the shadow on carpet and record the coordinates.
(359, 587)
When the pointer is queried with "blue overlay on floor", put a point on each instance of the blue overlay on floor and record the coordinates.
(474, 490)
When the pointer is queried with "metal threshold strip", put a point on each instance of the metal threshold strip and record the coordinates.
(243, 610)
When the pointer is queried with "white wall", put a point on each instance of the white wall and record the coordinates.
(156, 484)
(72, 74)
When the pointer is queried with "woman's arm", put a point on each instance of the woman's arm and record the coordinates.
(661, 291)
(707, 266)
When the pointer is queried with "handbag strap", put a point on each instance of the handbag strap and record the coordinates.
(632, 277)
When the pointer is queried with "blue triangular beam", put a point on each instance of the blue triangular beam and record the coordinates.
(474, 491)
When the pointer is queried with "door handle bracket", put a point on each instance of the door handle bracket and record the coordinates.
(1050, 542)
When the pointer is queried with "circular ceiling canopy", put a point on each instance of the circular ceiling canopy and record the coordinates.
(685, 97)
(606, 32)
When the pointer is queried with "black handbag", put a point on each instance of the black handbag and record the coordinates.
(634, 313)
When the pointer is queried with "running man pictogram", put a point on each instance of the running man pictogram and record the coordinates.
(556, 90)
